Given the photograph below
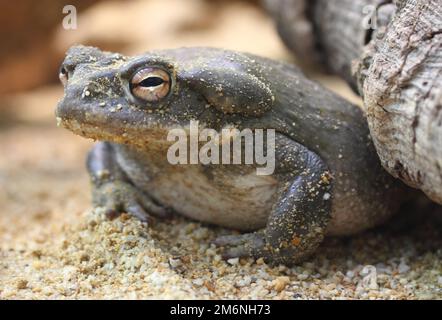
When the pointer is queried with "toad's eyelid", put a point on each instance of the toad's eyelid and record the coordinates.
(131, 68)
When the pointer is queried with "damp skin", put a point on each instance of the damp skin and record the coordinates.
(327, 178)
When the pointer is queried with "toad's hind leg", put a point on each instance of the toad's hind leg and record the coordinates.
(112, 190)
(300, 215)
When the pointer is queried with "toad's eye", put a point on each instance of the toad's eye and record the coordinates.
(63, 76)
(150, 84)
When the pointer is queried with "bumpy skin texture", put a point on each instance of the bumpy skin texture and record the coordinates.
(322, 148)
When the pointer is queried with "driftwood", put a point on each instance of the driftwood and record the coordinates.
(390, 52)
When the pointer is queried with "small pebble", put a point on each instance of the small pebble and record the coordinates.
(22, 284)
(280, 283)
(403, 267)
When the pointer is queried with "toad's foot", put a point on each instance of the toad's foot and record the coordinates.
(112, 190)
(117, 197)
(243, 245)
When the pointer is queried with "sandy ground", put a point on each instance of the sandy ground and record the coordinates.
(53, 246)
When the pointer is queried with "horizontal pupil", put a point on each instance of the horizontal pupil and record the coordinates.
(151, 82)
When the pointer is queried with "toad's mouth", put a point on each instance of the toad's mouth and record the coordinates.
(123, 128)
(116, 121)
(139, 137)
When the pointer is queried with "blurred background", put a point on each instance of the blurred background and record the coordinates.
(35, 40)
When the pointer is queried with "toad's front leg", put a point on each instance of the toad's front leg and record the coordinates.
(300, 215)
(112, 190)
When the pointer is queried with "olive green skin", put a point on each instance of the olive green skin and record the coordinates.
(317, 131)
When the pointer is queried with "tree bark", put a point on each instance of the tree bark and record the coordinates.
(394, 59)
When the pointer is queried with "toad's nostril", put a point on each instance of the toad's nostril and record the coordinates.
(63, 75)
